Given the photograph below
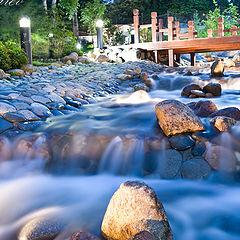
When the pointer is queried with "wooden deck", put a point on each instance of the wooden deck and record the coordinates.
(174, 46)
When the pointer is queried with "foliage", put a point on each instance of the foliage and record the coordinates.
(69, 7)
(114, 36)
(40, 46)
(145, 35)
(91, 13)
(11, 56)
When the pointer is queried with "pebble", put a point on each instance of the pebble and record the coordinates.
(4, 108)
(181, 142)
(14, 117)
(5, 125)
(40, 99)
(40, 110)
(30, 116)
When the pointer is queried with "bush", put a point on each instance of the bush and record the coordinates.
(40, 46)
(5, 62)
(11, 56)
(16, 55)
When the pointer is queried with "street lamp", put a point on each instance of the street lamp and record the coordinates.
(99, 25)
(25, 35)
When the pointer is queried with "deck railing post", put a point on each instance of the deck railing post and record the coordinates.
(136, 25)
(160, 27)
(154, 26)
(177, 26)
(220, 27)
(210, 33)
(190, 30)
(234, 33)
(193, 59)
(170, 57)
(170, 28)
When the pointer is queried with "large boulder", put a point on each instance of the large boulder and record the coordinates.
(231, 112)
(223, 124)
(220, 158)
(17, 72)
(3, 74)
(176, 117)
(203, 108)
(214, 88)
(186, 91)
(134, 208)
(217, 68)
(83, 236)
(73, 57)
(144, 235)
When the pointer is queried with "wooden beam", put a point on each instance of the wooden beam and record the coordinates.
(193, 59)
(177, 26)
(170, 28)
(220, 27)
(154, 26)
(190, 30)
(171, 58)
(160, 28)
(136, 25)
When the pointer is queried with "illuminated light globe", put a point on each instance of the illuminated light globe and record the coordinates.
(25, 22)
(78, 46)
(99, 23)
(50, 35)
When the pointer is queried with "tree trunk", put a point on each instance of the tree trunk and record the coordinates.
(45, 5)
(75, 25)
(54, 3)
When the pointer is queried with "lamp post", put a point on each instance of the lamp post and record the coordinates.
(25, 35)
(99, 25)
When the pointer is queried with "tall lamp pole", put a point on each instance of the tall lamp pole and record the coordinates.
(99, 25)
(25, 35)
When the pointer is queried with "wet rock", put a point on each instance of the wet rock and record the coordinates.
(170, 164)
(83, 59)
(181, 142)
(220, 158)
(188, 73)
(134, 208)
(29, 68)
(192, 96)
(144, 76)
(56, 112)
(19, 105)
(129, 72)
(40, 99)
(69, 62)
(195, 168)
(83, 236)
(175, 117)
(187, 90)
(73, 57)
(149, 82)
(5, 107)
(223, 124)
(40, 110)
(214, 88)
(41, 228)
(198, 93)
(3, 74)
(137, 70)
(30, 116)
(141, 86)
(209, 95)
(217, 68)
(17, 72)
(14, 117)
(124, 77)
(29, 126)
(57, 106)
(55, 98)
(5, 125)
(231, 112)
(144, 235)
(203, 108)
(102, 58)
(199, 149)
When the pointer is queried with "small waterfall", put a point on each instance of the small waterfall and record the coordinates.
(112, 157)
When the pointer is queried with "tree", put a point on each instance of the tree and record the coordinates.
(91, 13)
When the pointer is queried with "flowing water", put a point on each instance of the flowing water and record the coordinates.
(70, 168)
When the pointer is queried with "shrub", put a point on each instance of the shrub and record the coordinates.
(16, 55)
(5, 62)
(11, 56)
(40, 46)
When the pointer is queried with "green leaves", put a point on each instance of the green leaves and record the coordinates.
(69, 7)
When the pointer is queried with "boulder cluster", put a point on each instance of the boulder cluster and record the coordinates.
(195, 91)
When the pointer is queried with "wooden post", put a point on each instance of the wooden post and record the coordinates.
(160, 26)
(170, 28)
(171, 57)
(193, 59)
(234, 33)
(154, 26)
(156, 56)
(136, 25)
(190, 30)
(220, 27)
(178, 58)
(210, 33)
(177, 26)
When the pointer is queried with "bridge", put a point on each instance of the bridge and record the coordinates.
(178, 43)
